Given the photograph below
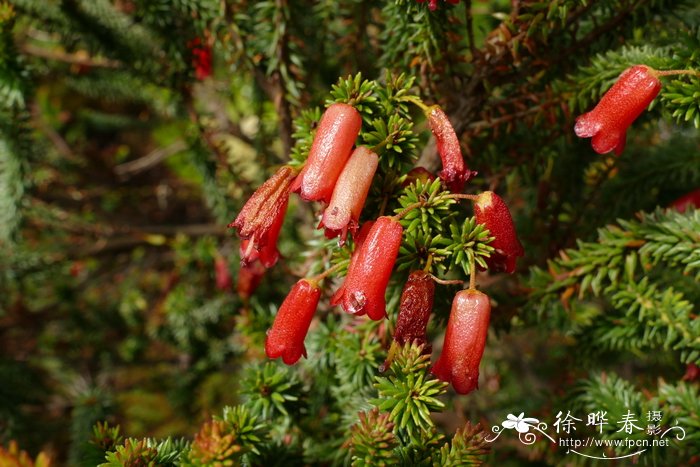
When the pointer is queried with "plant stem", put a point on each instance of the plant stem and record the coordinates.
(472, 272)
(428, 264)
(676, 72)
(408, 209)
(319, 277)
(462, 196)
(415, 100)
(446, 282)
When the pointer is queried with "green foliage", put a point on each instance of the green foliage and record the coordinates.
(358, 357)
(14, 135)
(372, 439)
(105, 438)
(304, 131)
(226, 440)
(675, 403)
(680, 92)
(409, 393)
(271, 390)
(356, 92)
(468, 447)
(643, 317)
(434, 234)
(146, 452)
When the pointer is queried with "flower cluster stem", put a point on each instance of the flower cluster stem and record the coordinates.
(408, 209)
(676, 72)
(446, 282)
(319, 277)
(472, 272)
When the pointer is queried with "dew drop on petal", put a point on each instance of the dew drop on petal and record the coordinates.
(585, 127)
(356, 302)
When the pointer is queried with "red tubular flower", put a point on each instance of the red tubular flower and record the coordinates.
(454, 171)
(491, 211)
(261, 218)
(414, 309)
(249, 277)
(465, 339)
(607, 123)
(333, 142)
(687, 201)
(201, 58)
(222, 274)
(370, 269)
(692, 373)
(359, 240)
(266, 253)
(349, 194)
(286, 336)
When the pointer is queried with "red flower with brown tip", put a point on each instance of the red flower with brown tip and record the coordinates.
(286, 336)
(268, 254)
(465, 339)
(349, 194)
(607, 123)
(370, 269)
(335, 136)
(454, 171)
(260, 221)
(491, 211)
(414, 309)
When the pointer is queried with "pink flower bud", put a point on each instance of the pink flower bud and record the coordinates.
(415, 308)
(370, 270)
(260, 221)
(491, 211)
(350, 193)
(286, 337)
(333, 142)
(454, 171)
(607, 123)
(465, 339)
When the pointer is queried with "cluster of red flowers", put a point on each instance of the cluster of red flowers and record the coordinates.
(339, 175)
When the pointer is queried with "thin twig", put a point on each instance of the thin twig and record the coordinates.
(77, 58)
(148, 161)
